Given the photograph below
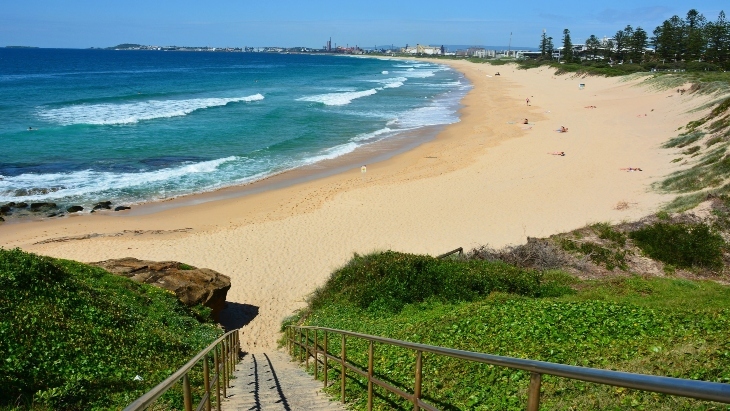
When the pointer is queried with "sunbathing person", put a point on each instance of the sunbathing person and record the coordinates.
(563, 129)
(631, 169)
(525, 122)
(558, 153)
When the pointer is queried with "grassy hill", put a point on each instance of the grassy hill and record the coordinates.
(74, 337)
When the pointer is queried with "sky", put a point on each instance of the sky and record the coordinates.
(310, 23)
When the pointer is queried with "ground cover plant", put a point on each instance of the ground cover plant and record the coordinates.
(663, 326)
(75, 337)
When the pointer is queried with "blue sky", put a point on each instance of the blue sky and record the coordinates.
(86, 23)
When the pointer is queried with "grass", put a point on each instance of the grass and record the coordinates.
(661, 326)
(75, 337)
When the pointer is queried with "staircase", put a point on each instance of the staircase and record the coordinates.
(270, 381)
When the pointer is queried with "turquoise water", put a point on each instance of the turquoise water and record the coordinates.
(139, 126)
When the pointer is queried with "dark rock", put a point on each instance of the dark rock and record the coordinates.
(75, 209)
(41, 206)
(1, 219)
(11, 204)
(191, 285)
(21, 204)
(4, 210)
(103, 205)
(122, 208)
(56, 214)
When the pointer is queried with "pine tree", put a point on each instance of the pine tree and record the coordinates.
(567, 47)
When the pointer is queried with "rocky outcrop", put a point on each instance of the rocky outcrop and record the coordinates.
(75, 209)
(122, 208)
(191, 285)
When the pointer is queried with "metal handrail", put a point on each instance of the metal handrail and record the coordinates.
(703, 390)
(226, 358)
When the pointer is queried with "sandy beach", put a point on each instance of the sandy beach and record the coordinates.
(485, 180)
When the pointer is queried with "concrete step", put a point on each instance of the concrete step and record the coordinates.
(270, 381)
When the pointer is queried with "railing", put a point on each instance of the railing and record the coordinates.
(459, 250)
(299, 336)
(225, 357)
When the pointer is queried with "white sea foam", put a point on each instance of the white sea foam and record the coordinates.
(384, 72)
(338, 99)
(394, 82)
(128, 113)
(88, 182)
(368, 137)
(333, 152)
(440, 112)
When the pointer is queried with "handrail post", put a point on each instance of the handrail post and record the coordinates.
(419, 375)
(316, 365)
(324, 368)
(288, 339)
(306, 349)
(343, 358)
(217, 378)
(533, 393)
(225, 369)
(370, 376)
(299, 339)
(206, 381)
(187, 397)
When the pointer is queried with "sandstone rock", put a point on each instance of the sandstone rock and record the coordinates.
(191, 285)
(75, 209)
(122, 208)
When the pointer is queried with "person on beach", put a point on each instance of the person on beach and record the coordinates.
(562, 129)
(528, 101)
(558, 153)
(525, 122)
(363, 169)
(497, 73)
(631, 169)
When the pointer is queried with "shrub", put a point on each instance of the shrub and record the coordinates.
(390, 280)
(681, 245)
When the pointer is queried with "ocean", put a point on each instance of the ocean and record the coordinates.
(82, 126)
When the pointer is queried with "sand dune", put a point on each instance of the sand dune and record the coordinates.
(488, 179)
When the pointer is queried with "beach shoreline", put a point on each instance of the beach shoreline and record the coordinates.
(486, 179)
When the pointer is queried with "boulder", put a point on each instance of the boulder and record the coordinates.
(5, 210)
(75, 209)
(122, 208)
(1, 219)
(21, 204)
(191, 285)
(103, 205)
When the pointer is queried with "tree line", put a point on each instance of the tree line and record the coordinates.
(689, 39)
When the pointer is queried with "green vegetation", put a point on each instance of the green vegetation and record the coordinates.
(388, 281)
(672, 327)
(74, 336)
(681, 245)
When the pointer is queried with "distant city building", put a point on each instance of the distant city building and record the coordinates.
(419, 49)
